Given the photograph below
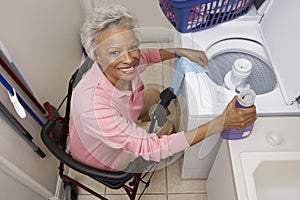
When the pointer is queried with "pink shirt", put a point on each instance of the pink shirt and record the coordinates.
(103, 130)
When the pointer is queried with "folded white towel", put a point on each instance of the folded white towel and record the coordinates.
(182, 66)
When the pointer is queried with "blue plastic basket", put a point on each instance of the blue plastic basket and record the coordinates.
(195, 15)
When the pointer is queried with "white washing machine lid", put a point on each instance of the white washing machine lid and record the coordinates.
(280, 32)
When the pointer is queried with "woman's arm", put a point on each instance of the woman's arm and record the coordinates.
(196, 56)
(231, 118)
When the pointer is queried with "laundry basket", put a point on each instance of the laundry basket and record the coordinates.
(195, 15)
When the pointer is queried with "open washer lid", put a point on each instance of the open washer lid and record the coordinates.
(280, 32)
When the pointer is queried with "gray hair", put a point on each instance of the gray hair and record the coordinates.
(100, 19)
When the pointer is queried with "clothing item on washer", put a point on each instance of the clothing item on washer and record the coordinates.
(208, 11)
(182, 66)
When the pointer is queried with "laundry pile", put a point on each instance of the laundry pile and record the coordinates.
(209, 13)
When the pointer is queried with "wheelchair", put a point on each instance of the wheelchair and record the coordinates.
(55, 134)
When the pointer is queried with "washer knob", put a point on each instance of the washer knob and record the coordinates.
(274, 139)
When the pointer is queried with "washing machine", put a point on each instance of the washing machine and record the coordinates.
(268, 37)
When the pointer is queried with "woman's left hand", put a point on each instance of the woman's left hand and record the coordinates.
(196, 56)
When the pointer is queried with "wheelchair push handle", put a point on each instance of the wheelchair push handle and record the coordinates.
(166, 97)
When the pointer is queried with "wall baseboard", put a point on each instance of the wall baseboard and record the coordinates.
(14, 172)
(58, 190)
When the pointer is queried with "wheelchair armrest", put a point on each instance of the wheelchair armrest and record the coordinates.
(67, 159)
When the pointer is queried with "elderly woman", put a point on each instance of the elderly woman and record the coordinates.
(108, 101)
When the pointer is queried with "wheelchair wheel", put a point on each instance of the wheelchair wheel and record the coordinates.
(71, 191)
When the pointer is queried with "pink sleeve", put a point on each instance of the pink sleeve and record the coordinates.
(116, 131)
(148, 56)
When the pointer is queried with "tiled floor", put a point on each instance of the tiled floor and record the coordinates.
(166, 184)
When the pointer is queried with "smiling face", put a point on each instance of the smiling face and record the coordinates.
(118, 54)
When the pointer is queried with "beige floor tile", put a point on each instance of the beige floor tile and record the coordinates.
(178, 185)
(144, 197)
(158, 182)
(87, 197)
(187, 196)
(89, 182)
(151, 197)
(153, 74)
(117, 197)
(167, 70)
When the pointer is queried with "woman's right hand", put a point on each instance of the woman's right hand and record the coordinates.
(231, 118)
(237, 118)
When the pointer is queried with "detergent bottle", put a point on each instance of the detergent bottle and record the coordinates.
(246, 99)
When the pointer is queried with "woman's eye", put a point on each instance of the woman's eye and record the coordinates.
(114, 53)
(135, 47)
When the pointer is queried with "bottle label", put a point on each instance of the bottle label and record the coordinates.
(245, 99)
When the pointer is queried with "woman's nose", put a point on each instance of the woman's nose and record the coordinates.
(128, 57)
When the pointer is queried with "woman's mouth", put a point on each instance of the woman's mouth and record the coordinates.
(127, 70)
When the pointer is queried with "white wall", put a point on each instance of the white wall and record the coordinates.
(10, 187)
(42, 37)
(147, 11)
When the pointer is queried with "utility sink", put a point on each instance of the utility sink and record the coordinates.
(263, 166)
(272, 175)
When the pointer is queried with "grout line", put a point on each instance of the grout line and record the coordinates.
(162, 70)
(105, 191)
(167, 191)
(162, 75)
